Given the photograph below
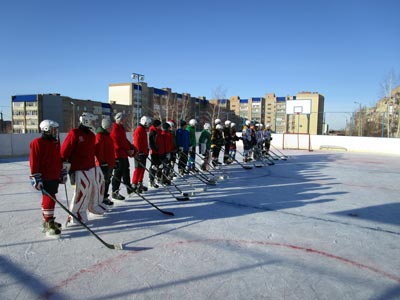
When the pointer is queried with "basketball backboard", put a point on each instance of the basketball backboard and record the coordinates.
(294, 107)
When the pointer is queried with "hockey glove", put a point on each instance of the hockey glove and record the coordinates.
(36, 181)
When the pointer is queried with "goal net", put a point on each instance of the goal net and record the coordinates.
(296, 141)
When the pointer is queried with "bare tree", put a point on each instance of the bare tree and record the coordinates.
(218, 93)
(388, 85)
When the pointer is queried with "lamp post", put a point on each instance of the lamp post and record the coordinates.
(73, 114)
(359, 120)
(139, 78)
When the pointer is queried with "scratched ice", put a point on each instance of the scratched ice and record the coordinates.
(320, 225)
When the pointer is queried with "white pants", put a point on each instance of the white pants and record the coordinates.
(88, 193)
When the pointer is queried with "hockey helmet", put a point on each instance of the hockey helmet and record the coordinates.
(49, 127)
(217, 121)
(192, 122)
(119, 117)
(219, 127)
(171, 123)
(145, 121)
(106, 123)
(233, 125)
(228, 123)
(87, 120)
(207, 126)
(247, 122)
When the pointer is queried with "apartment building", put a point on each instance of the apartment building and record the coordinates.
(158, 103)
(29, 110)
(273, 110)
(138, 99)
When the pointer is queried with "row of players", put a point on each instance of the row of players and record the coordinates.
(94, 161)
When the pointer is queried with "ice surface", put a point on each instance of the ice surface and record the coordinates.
(320, 225)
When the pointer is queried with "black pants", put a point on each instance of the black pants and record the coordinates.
(107, 172)
(155, 167)
(121, 170)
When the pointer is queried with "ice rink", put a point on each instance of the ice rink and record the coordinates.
(319, 225)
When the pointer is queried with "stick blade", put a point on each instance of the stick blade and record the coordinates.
(182, 198)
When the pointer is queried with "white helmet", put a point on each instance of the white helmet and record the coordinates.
(171, 123)
(192, 122)
(233, 125)
(227, 123)
(207, 126)
(247, 122)
(261, 126)
(106, 123)
(217, 121)
(49, 127)
(145, 121)
(219, 127)
(87, 120)
(268, 125)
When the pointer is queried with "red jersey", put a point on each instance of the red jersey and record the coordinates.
(155, 141)
(104, 149)
(140, 140)
(45, 158)
(121, 144)
(79, 149)
(168, 141)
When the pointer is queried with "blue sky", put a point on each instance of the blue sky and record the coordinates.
(341, 49)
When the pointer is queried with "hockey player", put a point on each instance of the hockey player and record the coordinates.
(79, 150)
(205, 145)
(156, 152)
(168, 141)
(172, 130)
(259, 137)
(123, 149)
(267, 133)
(192, 148)
(234, 139)
(182, 143)
(105, 155)
(227, 141)
(141, 145)
(47, 173)
(217, 141)
(246, 138)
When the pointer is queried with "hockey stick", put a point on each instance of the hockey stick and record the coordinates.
(258, 153)
(283, 156)
(277, 157)
(66, 194)
(200, 176)
(149, 202)
(185, 195)
(273, 156)
(110, 246)
(246, 167)
(188, 182)
(222, 177)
